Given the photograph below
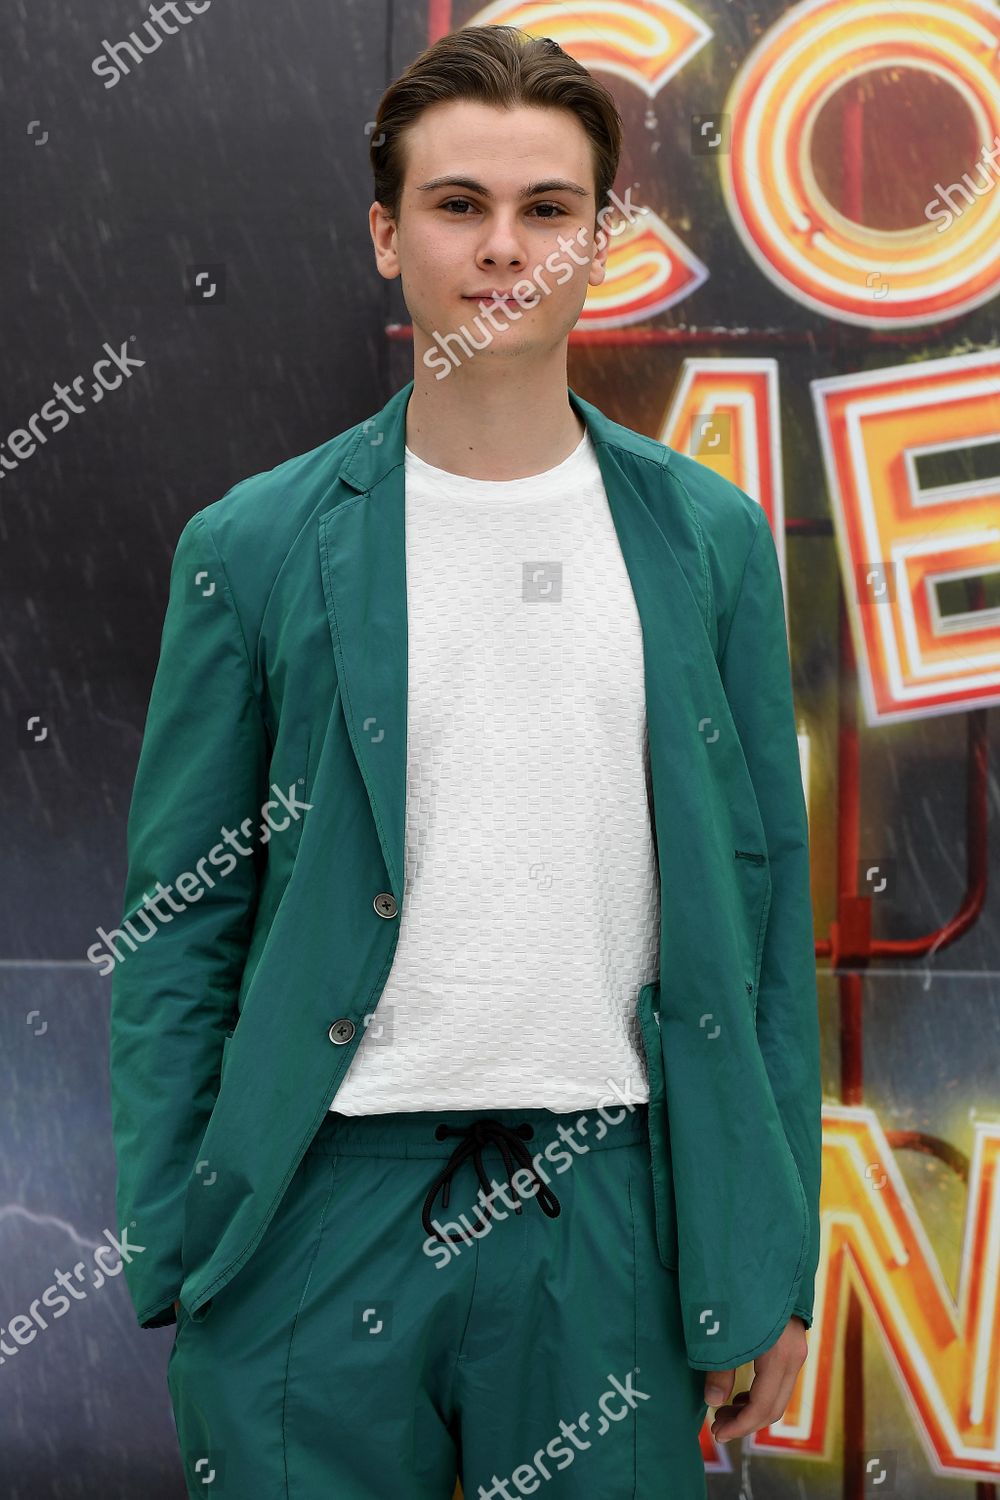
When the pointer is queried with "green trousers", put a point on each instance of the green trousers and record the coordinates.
(458, 1295)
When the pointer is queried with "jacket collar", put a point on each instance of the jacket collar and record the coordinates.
(381, 441)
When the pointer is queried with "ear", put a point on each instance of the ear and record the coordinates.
(602, 245)
(597, 266)
(384, 238)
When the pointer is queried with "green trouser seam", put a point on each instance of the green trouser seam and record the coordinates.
(291, 1337)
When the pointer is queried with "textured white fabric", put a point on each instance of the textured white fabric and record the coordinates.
(530, 913)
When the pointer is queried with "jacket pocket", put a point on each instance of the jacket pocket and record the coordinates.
(225, 1053)
(659, 1130)
(755, 889)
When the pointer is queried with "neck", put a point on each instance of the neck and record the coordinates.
(490, 426)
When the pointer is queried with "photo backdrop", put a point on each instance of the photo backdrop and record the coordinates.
(808, 303)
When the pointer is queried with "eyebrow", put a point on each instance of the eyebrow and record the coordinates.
(550, 185)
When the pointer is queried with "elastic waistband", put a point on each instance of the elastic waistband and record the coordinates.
(412, 1133)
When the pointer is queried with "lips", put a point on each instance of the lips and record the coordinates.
(505, 300)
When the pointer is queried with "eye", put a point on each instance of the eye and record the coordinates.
(450, 203)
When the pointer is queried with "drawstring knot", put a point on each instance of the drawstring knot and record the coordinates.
(510, 1143)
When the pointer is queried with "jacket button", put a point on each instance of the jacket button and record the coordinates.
(385, 904)
(341, 1031)
(749, 985)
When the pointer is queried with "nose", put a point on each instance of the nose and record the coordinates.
(502, 243)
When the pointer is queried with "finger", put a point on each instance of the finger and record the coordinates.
(785, 1390)
(760, 1408)
(784, 1400)
(718, 1386)
(724, 1414)
(788, 1373)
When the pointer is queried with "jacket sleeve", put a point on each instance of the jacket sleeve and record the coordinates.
(190, 899)
(756, 674)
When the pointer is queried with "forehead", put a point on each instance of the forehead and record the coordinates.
(502, 148)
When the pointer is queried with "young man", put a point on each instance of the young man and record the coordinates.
(466, 725)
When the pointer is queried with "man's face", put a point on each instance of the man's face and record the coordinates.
(456, 239)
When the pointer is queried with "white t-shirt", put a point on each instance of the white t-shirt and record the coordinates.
(530, 913)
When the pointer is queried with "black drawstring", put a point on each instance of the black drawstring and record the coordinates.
(474, 1138)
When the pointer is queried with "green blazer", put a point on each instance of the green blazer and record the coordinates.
(237, 1007)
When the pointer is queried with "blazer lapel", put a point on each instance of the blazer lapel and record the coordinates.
(363, 563)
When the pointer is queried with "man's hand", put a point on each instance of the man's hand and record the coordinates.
(775, 1374)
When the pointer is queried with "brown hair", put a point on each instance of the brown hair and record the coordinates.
(501, 66)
